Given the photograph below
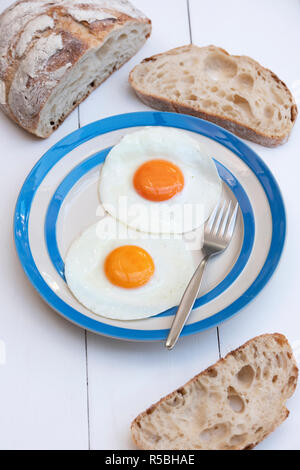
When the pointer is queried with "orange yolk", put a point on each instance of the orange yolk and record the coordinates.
(158, 180)
(129, 266)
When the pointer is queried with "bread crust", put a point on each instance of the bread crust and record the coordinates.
(45, 42)
(279, 338)
(232, 125)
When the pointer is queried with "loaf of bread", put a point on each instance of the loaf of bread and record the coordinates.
(53, 54)
(235, 92)
(233, 405)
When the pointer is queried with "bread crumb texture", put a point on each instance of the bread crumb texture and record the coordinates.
(233, 405)
(235, 92)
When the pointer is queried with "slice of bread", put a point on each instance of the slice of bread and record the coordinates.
(235, 92)
(233, 405)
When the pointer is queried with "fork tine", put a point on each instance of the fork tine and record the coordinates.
(231, 224)
(218, 218)
(224, 220)
(209, 223)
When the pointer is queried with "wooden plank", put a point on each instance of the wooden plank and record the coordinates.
(269, 32)
(43, 372)
(124, 378)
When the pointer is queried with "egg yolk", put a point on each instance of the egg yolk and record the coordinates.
(129, 267)
(158, 180)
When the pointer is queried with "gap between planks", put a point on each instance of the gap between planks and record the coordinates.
(86, 351)
(191, 41)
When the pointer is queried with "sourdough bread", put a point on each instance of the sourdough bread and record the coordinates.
(53, 54)
(233, 405)
(235, 92)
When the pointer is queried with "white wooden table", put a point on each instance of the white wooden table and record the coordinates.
(63, 388)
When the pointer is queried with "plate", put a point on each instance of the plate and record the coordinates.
(59, 199)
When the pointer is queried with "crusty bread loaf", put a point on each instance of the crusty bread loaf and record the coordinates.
(233, 405)
(234, 92)
(53, 54)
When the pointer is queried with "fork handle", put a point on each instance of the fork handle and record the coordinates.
(186, 305)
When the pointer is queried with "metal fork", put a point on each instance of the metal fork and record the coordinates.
(218, 233)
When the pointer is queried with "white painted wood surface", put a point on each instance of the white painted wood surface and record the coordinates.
(43, 398)
(46, 402)
(267, 30)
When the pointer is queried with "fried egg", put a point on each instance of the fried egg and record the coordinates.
(160, 180)
(120, 274)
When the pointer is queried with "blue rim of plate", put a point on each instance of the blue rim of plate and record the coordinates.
(190, 123)
(79, 171)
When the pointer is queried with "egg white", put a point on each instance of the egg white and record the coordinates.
(85, 276)
(184, 212)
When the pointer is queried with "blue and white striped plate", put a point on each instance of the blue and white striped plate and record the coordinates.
(59, 199)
